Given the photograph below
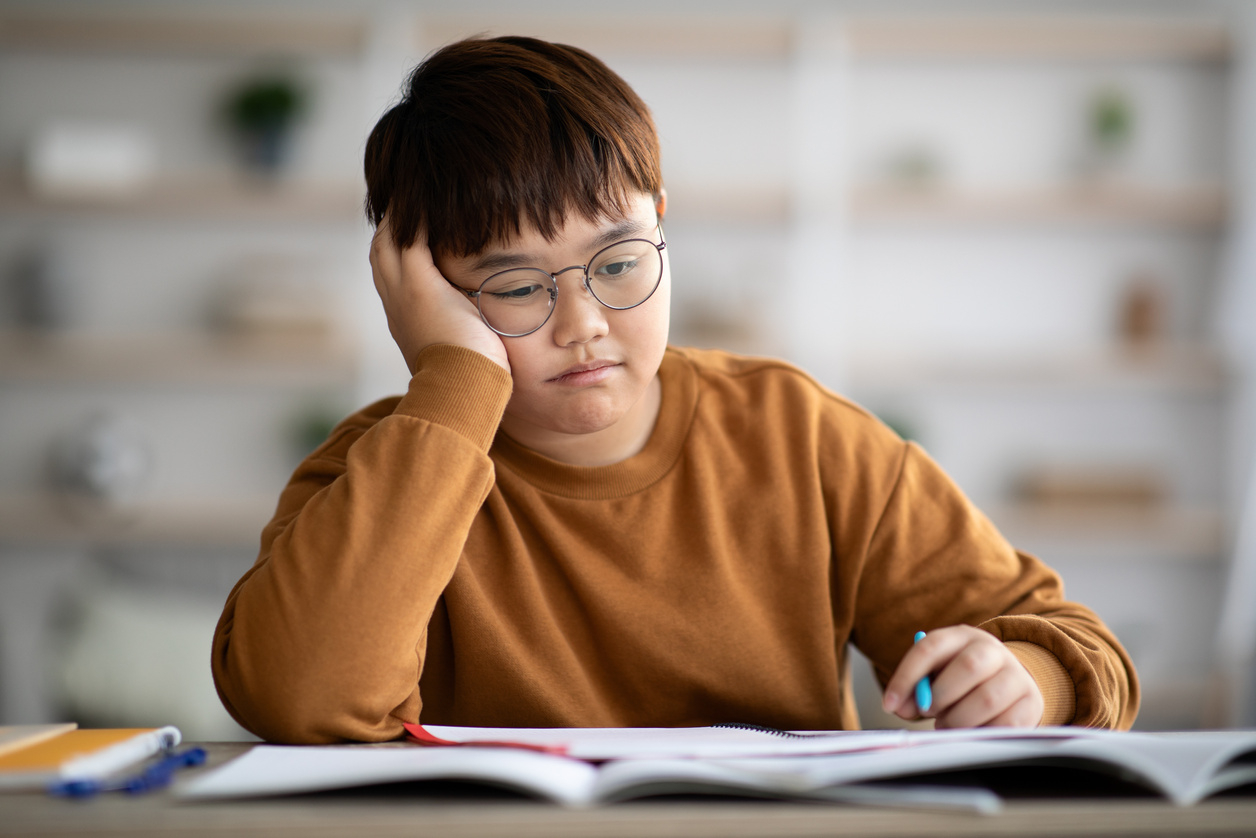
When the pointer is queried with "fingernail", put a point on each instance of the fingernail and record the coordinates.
(889, 702)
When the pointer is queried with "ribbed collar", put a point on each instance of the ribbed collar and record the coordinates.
(679, 403)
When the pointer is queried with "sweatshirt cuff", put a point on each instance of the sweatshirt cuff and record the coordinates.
(1059, 697)
(460, 389)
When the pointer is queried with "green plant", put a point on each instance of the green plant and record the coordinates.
(1111, 120)
(265, 104)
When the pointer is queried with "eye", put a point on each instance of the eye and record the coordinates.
(611, 270)
(515, 294)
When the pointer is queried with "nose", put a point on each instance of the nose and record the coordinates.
(578, 317)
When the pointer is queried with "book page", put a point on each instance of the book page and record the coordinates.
(269, 770)
(1186, 767)
(600, 744)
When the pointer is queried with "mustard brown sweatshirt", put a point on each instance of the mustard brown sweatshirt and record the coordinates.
(421, 565)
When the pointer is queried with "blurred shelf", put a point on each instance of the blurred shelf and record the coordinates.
(226, 197)
(693, 203)
(244, 32)
(1025, 37)
(635, 36)
(283, 361)
(1195, 208)
(1168, 369)
(1114, 532)
(50, 520)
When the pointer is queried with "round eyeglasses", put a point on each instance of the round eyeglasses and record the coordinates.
(518, 301)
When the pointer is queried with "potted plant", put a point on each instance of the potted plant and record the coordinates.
(262, 112)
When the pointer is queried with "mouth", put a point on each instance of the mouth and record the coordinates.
(587, 373)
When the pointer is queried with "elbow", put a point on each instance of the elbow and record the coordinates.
(279, 707)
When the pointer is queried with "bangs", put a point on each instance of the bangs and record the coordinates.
(495, 136)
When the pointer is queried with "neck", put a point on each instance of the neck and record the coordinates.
(605, 447)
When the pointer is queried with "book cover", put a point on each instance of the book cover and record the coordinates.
(81, 755)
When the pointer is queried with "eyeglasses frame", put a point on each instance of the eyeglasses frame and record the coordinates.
(553, 289)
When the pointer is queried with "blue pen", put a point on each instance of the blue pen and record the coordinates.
(155, 776)
(924, 692)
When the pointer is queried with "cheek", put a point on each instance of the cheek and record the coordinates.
(523, 353)
(657, 312)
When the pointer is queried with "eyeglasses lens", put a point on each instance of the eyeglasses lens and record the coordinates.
(518, 301)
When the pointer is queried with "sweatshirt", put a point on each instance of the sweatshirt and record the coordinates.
(422, 566)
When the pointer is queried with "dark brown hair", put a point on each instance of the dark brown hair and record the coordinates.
(495, 133)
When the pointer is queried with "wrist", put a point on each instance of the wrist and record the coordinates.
(1059, 697)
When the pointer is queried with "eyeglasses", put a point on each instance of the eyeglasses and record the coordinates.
(518, 301)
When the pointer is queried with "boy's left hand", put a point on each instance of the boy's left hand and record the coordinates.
(976, 681)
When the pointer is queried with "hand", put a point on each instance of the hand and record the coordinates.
(976, 681)
(422, 307)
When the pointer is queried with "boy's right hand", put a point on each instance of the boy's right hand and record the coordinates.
(423, 309)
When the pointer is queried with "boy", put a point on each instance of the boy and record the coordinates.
(565, 522)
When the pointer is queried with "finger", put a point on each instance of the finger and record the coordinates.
(974, 663)
(929, 655)
(1025, 713)
(416, 260)
(986, 702)
(385, 259)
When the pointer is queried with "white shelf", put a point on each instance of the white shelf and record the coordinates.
(1142, 533)
(1164, 369)
(1190, 208)
(242, 33)
(705, 203)
(631, 35)
(46, 519)
(1030, 37)
(177, 359)
(229, 197)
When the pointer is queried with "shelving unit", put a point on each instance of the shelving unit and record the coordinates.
(208, 198)
(1036, 37)
(1136, 536)
(183, 360)
(220, 411)
(46, 520)
(1200, 209)
(243, 33)
(1155, 370)
(1047, 402)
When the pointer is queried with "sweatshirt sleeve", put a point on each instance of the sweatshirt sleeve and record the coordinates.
(323, 639)
(932, 560)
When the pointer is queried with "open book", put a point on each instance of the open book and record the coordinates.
(583, 767)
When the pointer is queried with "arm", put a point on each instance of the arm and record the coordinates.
(935, 562)
(323, 639)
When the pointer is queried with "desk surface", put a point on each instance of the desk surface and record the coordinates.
(384, 813)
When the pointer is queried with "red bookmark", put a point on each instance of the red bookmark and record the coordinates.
(421, 735)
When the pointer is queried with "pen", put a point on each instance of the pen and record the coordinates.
(155, 776)
(924, 692)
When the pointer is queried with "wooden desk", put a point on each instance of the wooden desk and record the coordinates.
(463, 815)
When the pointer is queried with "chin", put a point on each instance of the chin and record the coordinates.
(587, 421)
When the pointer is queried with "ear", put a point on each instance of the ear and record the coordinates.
(660, 202)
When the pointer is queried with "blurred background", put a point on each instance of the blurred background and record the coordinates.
(1021, 232)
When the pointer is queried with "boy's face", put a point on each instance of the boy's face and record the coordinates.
(590, 370)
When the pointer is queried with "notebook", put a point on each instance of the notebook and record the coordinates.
(34, 759)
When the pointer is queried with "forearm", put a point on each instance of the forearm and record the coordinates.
(324, 638)
(935, 561)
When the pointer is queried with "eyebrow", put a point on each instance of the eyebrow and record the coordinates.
(626, 229)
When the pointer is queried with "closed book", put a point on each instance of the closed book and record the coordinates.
(81, 755)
